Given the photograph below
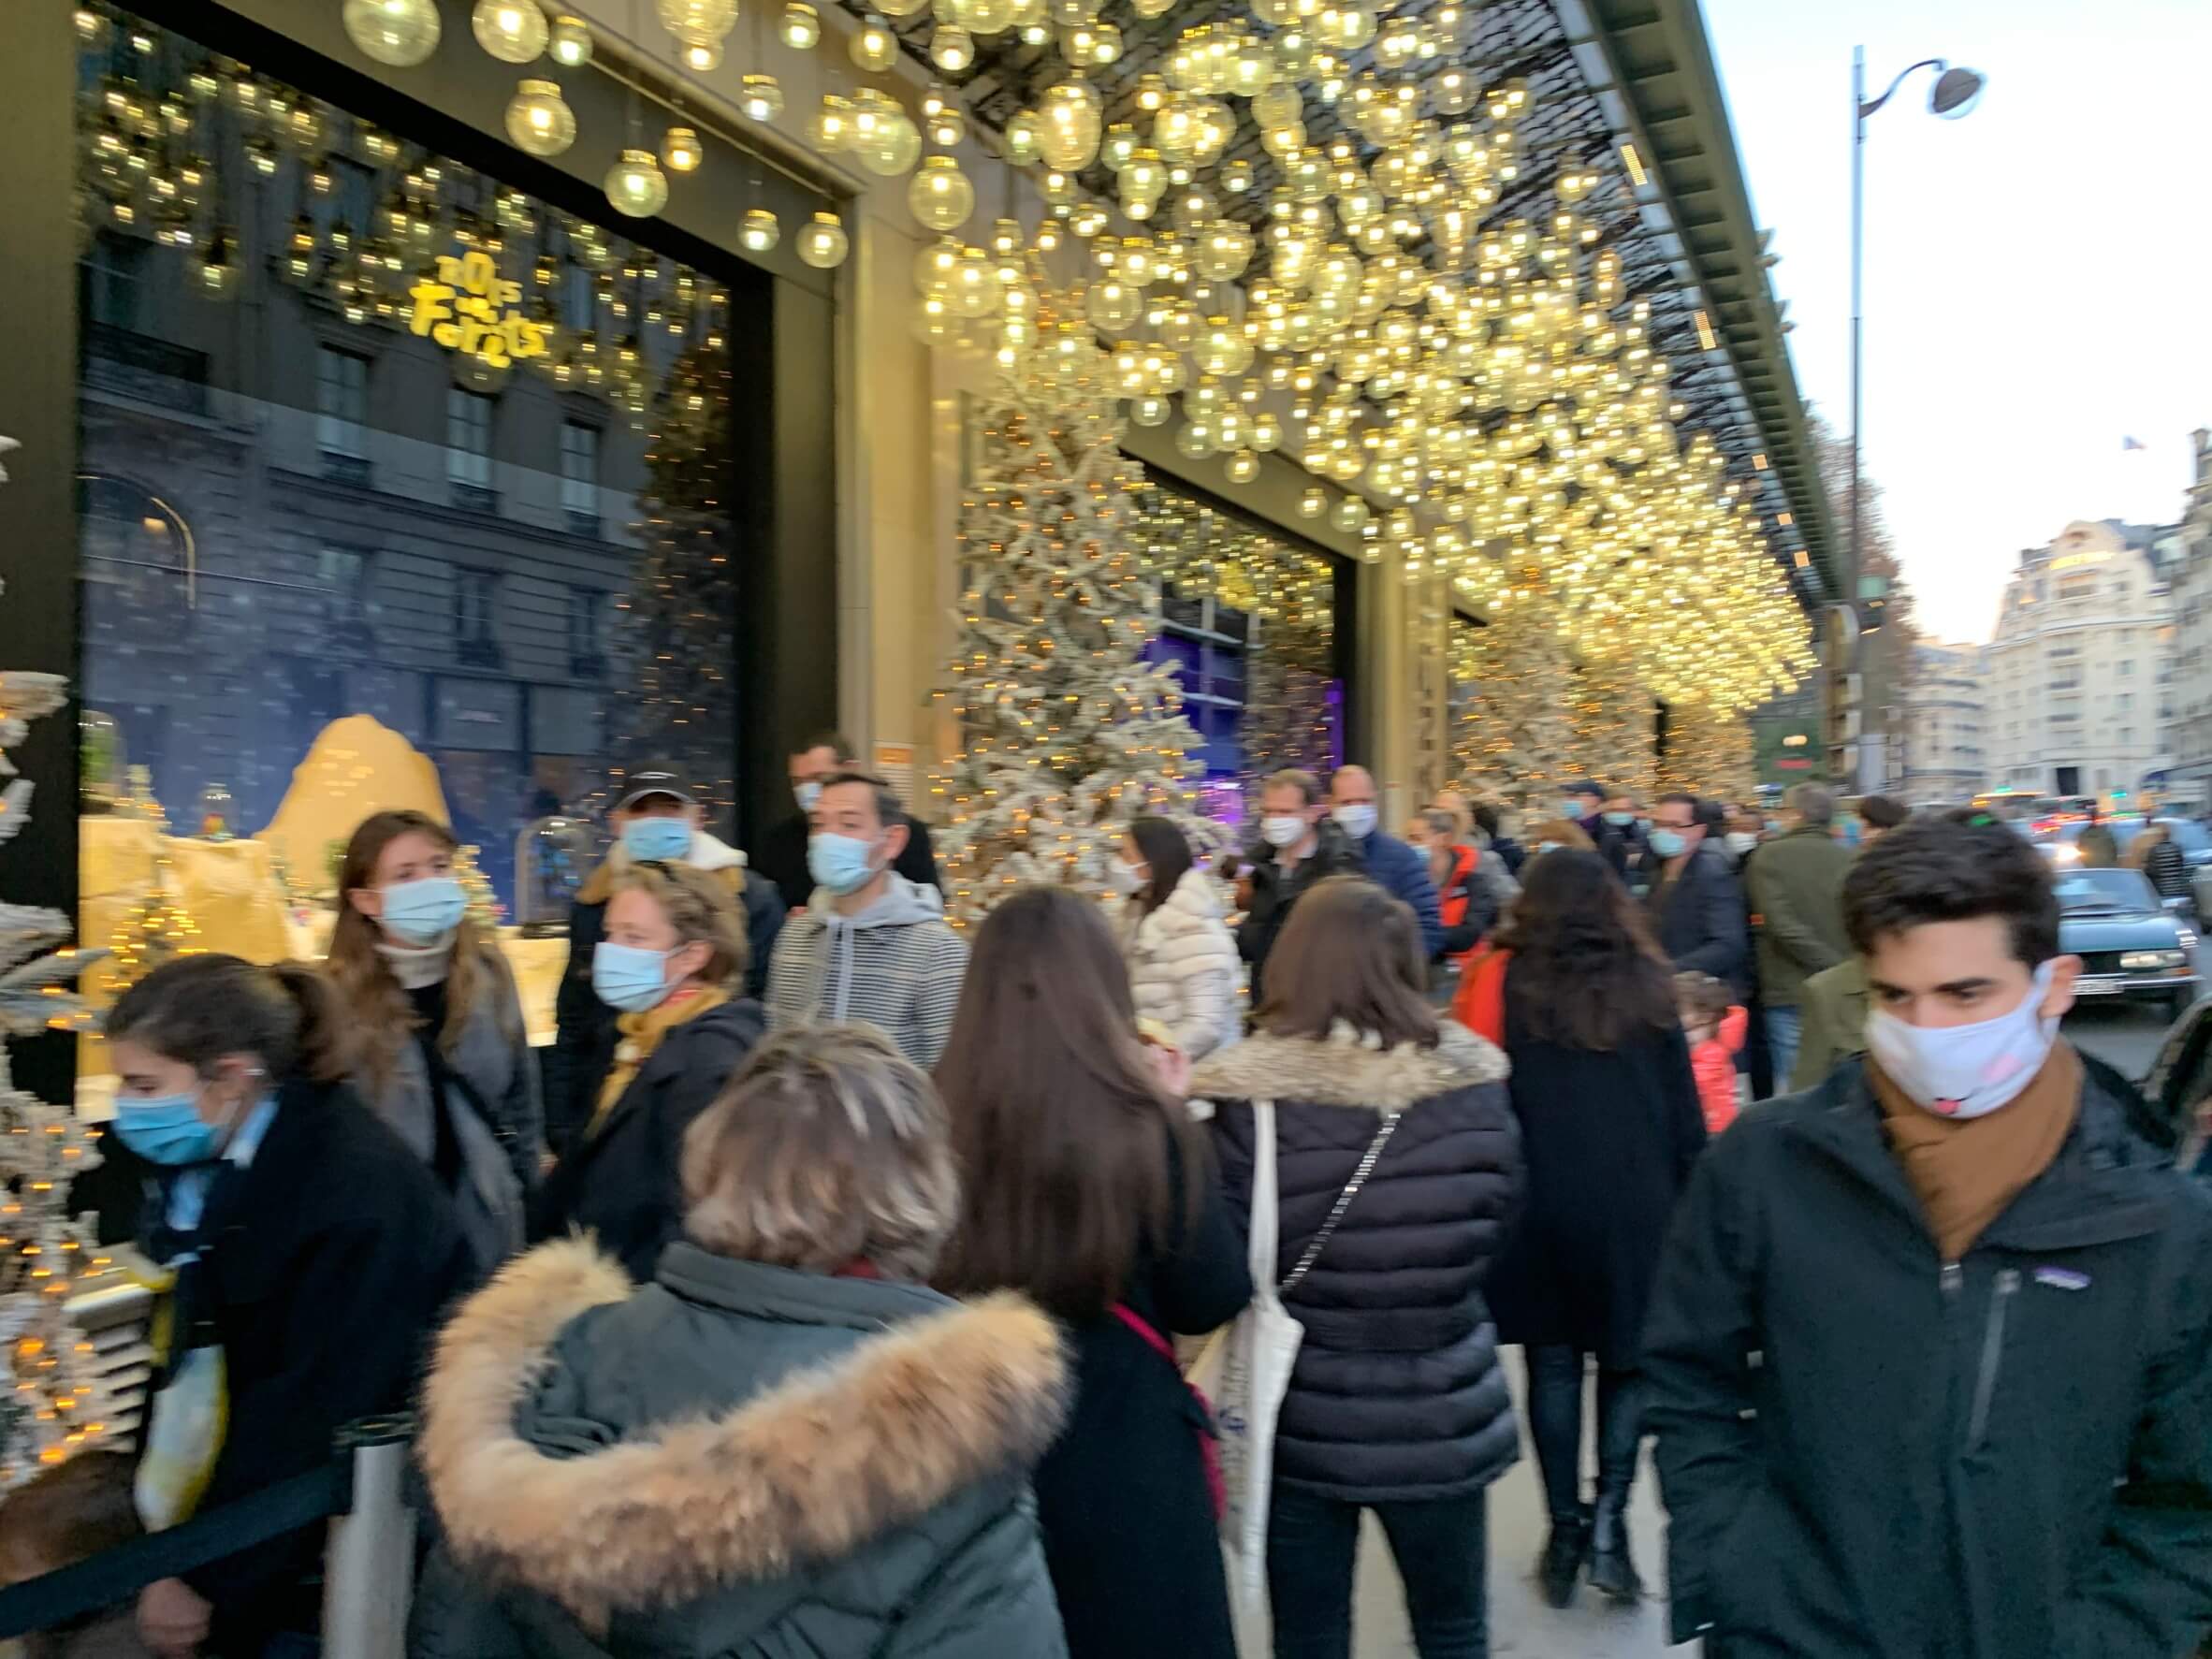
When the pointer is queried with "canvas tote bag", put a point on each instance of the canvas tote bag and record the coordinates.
(1244, 1370)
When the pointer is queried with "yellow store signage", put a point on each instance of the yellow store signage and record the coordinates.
(470, 308)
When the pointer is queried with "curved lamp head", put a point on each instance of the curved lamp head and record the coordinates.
(1957, 91)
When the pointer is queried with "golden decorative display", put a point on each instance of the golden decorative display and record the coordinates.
(471, 309)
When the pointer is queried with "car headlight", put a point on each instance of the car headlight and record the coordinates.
(2066, 852)
(2135, 959)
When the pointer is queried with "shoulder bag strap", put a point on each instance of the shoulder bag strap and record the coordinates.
(1265, 1230)
(1344, 1200)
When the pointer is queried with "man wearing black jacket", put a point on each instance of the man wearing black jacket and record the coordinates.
(1931, 1350)
(1299, 844)
(1695, 901)
(780, 855)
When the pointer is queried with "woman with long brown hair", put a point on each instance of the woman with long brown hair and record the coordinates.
(1396, 1167)
(1610, 1127)
(1090, 1190)
(442, 1056)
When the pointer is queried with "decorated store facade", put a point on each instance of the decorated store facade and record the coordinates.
(431, 402)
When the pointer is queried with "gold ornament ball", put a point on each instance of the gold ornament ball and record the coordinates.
(1243, 467)
(1070, 125)
(511, 31)
(697, 19)
(681, 150)
(1351, 514)
(893, 148)
(761, 98)
(759, 232)
(939, 194)
(875, 47)
(947, 127)
(701, 56)
(801, 27)
(953, 50)
(569, 44)
(539, 120)
(830, 128)
(401, 33)
(1314, 503)
(824, 243)
(1025, 142)
(635, 184)
(1149, 411)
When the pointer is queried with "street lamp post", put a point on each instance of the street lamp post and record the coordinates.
(1956, 90)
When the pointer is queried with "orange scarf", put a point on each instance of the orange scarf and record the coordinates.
(1966, 1170)
(642, 1034)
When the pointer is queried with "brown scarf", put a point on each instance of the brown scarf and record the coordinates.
(642, 1034)
(1967, 1170)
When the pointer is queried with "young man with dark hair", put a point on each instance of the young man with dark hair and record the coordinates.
(870, 945)
(780, 855)
(1930, 1351)
(1694, 901)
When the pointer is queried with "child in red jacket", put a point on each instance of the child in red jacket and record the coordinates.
(1714, 1026)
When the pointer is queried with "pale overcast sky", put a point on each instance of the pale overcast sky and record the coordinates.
(2038, 275)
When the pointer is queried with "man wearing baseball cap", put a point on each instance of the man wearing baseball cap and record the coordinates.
(657, 817)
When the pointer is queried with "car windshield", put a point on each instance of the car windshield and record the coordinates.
(2105, 890)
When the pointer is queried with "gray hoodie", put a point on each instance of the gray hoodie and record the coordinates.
(897, 966)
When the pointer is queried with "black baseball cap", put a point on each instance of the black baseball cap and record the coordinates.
(655, 778)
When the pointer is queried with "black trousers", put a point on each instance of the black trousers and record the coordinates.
(1438, 1544)
(1555, 1375)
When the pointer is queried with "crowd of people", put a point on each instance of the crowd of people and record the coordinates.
(833, 1295)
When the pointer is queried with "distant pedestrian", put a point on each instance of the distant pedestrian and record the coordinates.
(2098, 847)
(1398, 1164)
(2155, 852)
(1877, 816)
(782, 848)
(1491, 822)
(1611, 1126)
(1695, 902)
(1796, 889)
(1608, 818)
(1093, 1193)
(1390, 863)
(1550, 834)
(1980, 1306)
(1301, 845)
(1466, 903)
(1713, 1024)
(1183, 963)
(870, 945)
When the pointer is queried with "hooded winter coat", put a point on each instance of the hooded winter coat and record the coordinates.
(1183, 966)
(622, 1181)
(1397, 1393)
(490, 1104)
(584, 1042)
(2004, 1456)
(897, 966)
(737, 1462)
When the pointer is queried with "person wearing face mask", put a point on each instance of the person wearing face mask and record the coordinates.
(1608, 818)
(443, 1056)
(1694, 901)
(307, 1255)
(1300, 844)
(869, 945)
(657, 821)
(1978, 1291)
(1182, 965)
(780, 855)
(1390, 864)
(672, 968)
(1795, 890)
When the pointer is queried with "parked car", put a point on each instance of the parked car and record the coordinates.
(2192, 837)
(2130, 942)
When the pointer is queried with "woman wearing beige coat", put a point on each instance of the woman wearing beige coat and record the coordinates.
(1183, 961)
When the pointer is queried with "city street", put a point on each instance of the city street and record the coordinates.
(2123, 1035)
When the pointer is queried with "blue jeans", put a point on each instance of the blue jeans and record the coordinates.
(1784, 1027)
(1438, 1544)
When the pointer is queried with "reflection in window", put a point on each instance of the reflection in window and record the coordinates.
(579, 476)
(587, 610)
(475, 592)
(341, 405)
(468, 448)
(112, 271)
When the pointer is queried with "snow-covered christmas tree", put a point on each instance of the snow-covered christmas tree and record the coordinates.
(1615, 726)
(1512, 694)
(1709, 752)
(1066, 733)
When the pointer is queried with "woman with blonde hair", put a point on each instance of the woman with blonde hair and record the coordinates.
(672, 963)
(784, 1444)
(443, 1058)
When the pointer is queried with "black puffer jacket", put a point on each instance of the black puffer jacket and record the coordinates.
(1397, 1394)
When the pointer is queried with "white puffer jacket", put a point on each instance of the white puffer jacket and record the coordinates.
(1183, 966)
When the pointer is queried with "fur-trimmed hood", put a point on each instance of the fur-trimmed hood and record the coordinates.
(1349, 1070)
(802, 1472)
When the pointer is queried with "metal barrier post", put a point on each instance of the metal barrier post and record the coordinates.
(369, 1575)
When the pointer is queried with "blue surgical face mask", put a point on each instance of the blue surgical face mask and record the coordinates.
(1357, 821)
(424, 911)
(807, 793)
(1667, 843)
(165, 1128)
(842, 864)
(657, 840)
(1620, 820)
(630, 978)
(1573, 811)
